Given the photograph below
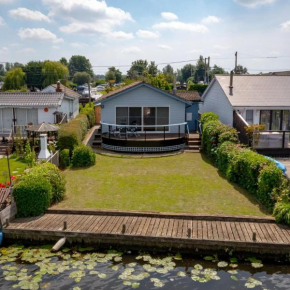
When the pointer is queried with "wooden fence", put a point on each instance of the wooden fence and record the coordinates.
(8, 206)
(54, 159)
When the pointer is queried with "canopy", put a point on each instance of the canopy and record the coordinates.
(41, 128)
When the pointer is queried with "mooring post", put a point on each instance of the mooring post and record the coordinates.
(254, 237)
(189, 233)
(64, 225)
(123, 229)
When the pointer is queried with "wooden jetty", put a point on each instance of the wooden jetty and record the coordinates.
(154, 230)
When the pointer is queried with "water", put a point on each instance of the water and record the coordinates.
(84, 268)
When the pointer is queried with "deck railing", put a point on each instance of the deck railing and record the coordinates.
(273, 140)
(240, 124)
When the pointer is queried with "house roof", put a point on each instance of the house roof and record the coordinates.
(43, 127)
(191, 96)
(16, 100)
(255, 90)
(67, 91)
(135, 85)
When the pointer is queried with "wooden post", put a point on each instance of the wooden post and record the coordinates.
(7, 222)
(254, 237)
(123, 229)
(189, 233)
(64, 225)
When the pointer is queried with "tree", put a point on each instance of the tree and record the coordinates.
(34, 75)
(2, 70)
(81, 78)
(14, 80)
(187, 71)
(240, 70)
(114, 74)
(63, 61)
(168, 73)
(199, 71)
(54, 71)
(79, 63)
(152, 69)
(110, 77)
(218, 70)
(138, 68)
(159, 82)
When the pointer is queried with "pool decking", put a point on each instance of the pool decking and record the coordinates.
(156, 230)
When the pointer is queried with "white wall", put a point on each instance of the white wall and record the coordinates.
(47, 117)
(217, 102)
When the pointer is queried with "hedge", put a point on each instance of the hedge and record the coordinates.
(64, 159)
(89, 111)
(72, 133)
(254, 172)
(197, 87)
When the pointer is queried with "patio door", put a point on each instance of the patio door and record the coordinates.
(32, 116)
(7, 117)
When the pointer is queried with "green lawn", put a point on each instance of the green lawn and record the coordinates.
(182, 183)
(17, 167)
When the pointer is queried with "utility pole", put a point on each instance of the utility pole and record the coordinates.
(204, 79)
(236, 61)
(208, 69)
(89, 88)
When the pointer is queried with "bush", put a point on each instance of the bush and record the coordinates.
(197, 87)
(282, 212)
(32, 195)
(52, 174)
(207, 117)
(89, 111)
(64, 157)
(72, 133)
(83, 156)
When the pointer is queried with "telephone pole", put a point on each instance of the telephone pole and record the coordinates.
(204, 79)
(236, 61)
(208, 69)
(89, 88)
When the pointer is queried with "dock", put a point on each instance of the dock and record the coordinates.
(154, 230)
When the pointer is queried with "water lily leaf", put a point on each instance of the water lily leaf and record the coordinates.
(88, 249)
(257, 265)
(77, 280)
(222, 264)
(45, 285)
(138, 257)
(208, 258)
(76, 288)
(233, 260)
(127, 283)
(253, 260)
(178, 257)
(94, 273)
(195, 272)
(252, 283)
(161, 270)
(115, 268)
(234, 278)
(11, 278)
(195, 278)
(135, 285)
(102, 275)
(198, 267)
(233, 265)
(112, 252)
(233, 272)
(66, 250)
(118, 259)
(181, 274)
(132, 265)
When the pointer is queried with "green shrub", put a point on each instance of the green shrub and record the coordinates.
(52, 174)
(83, 156)
(72, 133)
(230, 134)
(89, 111)
(32, 195)
(197, 87)
(207, 117)
(282, 212)
(64, 158)
(209, 140)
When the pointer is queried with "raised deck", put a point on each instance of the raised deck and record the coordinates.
(179, 231)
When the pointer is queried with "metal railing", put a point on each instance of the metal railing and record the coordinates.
(273, 140)
(198, 126)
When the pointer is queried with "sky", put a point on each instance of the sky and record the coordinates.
(117, 32)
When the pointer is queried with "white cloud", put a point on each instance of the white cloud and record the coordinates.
(28, 50)
(195, 51)
(56, 47)
(2, 22)
(254, 3)
(211, 19)
(132, 49)
(147, 34)
(165, 47)
(181, 26)
(285, 26)
(221, 47)
(169, 16)
(6, 1)
(120, 35)
(4, 50)
(38, 34)
(26, 14)
(78, 45)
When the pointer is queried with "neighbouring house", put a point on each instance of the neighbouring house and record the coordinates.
(242, 100)
(70, 104)
(22, 109)
(141, 112)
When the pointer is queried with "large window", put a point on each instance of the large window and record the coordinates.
(250, 116)
(265, 119)
(145, 116)
(275, 120)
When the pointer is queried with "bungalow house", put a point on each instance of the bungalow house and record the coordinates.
(70, 105)
(140, 112)
(242, 100)
(21, 109)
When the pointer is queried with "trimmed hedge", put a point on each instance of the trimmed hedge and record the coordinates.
(32, 195)
(89, 111)
(197, 87)
(206, 117)
(254, 172)
(64, 159)
(72, 133)
(83, 156)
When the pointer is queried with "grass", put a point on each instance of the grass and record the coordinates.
(17, 167)
(182, 183)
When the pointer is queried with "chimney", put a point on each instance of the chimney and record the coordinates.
(58, 88)
(174, 85)
(231, 82)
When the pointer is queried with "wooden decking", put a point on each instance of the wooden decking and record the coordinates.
(184, 231)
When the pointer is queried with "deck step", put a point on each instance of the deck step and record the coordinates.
(191, 151)
(194, 142)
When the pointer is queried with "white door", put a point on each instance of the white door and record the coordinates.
(32, 116)
(20, 115)
(7, 117)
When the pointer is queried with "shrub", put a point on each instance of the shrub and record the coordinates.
(32, 195)
(209, 136)
(30, 156)
(64, 157)
(197, 87)
(72, 133)
(207, 117)
(52, 174)
(83, 156)
(282, 212)
(230, 134)
(89, 111)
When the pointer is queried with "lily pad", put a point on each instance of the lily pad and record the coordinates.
(178, 257)
(135, 285)
(233, 260)
(115, 268)
(234, 278)
(181, 274)
(198, 267)
(222, 264)
(257, 265)
(118, 259)
(233, 272)
(208, 258)
(102, 276)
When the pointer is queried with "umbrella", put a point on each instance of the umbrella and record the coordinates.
(42, 128)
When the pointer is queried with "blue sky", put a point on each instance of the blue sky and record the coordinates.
(117, 32)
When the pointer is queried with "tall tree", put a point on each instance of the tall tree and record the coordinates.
(63, 61)
(79, 63)
(34, 75)
(14, 80)
(81, 78)
(168, 73)
(114, 74)
(138, 68)
(240, 70)
(187, 71)
(152, 68)
(54, 71)
(159, 82)
(2, 70)
(218, 70)
(199, 71)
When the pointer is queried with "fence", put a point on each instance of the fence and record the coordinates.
(8, 207)
(240, 124)
(54, 159)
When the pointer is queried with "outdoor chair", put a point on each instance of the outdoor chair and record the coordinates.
(134, 132)
(115, 131)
